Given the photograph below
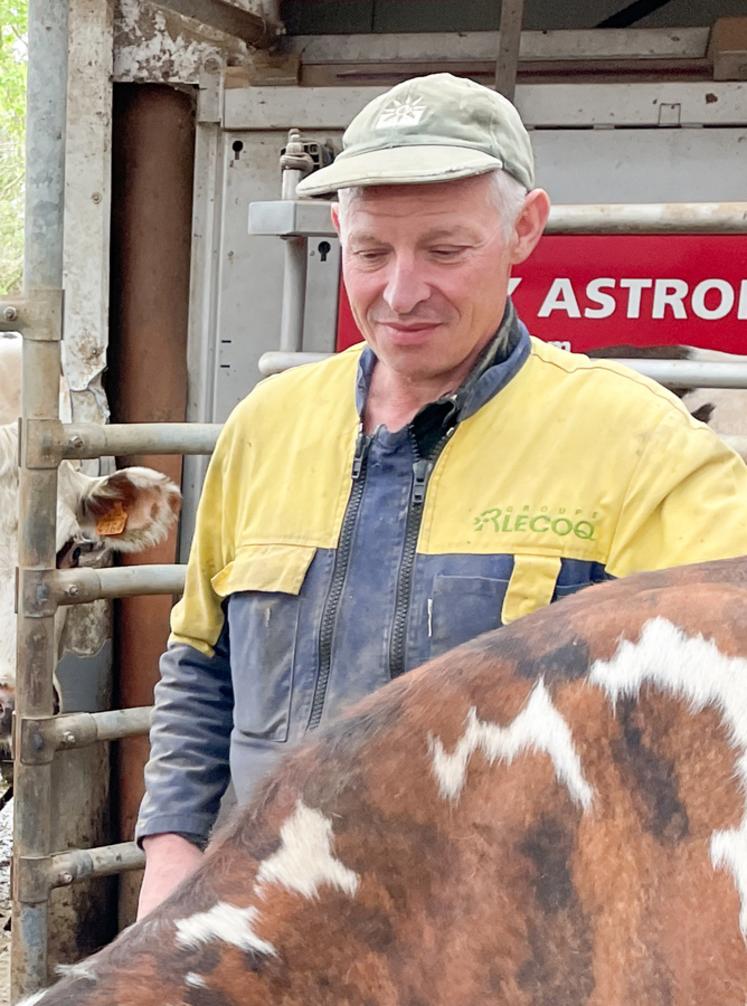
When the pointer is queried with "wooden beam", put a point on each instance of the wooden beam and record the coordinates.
(507, 64)
(251, 28)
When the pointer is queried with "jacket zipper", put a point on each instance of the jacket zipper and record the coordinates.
(342, 558)
(421, 473)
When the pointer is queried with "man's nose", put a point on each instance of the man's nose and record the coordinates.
(406, 286)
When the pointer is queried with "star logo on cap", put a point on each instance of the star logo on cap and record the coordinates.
(402, 113)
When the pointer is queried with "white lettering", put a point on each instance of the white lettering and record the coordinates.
(513, 284)
(669, 293)
(560, 297)
(606, 301)
(742, 309)
(635, 287)
(698, 304)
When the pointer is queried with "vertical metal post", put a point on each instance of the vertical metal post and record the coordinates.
(45, 179)
(295, 163)
(509, 42)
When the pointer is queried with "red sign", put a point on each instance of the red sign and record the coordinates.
(587, 292)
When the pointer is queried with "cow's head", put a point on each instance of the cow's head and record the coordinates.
(127, 511)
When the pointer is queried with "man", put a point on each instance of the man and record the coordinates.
(366, 513)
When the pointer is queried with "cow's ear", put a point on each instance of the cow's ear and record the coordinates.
(131, 509)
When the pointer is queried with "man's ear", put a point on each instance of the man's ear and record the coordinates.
(530, 224)
(334, 210)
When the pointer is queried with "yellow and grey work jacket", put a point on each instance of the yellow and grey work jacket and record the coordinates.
(326, 562)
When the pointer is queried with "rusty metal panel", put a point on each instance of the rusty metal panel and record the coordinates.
(154, 138)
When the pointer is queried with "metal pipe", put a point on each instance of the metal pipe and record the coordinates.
(649, 218)
(43, 265)
(294, 293)
(305, 217)
(690, 374)
(670, 373)
(44, 737)
(78, 586)
(87, 440)
(509, 43)
(77, 730)
(67, 867)
(295, 163)
(276, 363)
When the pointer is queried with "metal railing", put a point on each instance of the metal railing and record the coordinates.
(38, 733)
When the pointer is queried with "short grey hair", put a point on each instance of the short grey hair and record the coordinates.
(506, 193)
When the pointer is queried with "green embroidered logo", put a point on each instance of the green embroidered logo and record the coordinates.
(537, 521)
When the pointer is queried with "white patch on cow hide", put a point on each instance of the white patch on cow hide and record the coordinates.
(694, 668)
(305, 861)
(225, 923)
(82, 970)
(34, 999)
(195, 981)
(538, 728)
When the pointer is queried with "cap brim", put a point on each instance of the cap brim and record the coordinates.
(409, 165)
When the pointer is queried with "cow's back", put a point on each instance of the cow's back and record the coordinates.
(553, 813)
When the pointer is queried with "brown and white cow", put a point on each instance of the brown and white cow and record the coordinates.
(144, 503)
(554, 813)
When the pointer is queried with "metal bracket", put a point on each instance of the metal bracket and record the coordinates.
(291, 218)
(31, 879)
(41, 443)
(210, 98)
(38, 317)
(35, 742)
(36, 592)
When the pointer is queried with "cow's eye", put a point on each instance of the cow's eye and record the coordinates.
(64, 554)
(73, 551)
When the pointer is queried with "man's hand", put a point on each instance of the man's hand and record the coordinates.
(169, 859)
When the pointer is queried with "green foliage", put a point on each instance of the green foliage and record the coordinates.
(13, 58)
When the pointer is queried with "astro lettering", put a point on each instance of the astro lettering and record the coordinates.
(537, 521)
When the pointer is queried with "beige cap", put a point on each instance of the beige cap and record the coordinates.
(428, 129)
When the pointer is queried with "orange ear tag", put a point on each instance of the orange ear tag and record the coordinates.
(114, 522)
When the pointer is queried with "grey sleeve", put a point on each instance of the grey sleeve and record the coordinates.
(188, 770)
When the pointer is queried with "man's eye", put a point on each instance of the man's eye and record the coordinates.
(446, 253)
(370, 255)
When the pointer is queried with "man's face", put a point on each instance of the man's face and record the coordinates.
(426, 269)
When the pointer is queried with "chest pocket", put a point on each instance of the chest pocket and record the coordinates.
(462, 607)
(262, 586)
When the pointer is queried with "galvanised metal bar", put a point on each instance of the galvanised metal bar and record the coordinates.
(78, 730)
(45, 192)
(78, 586)
(690, 373)
(276, 362)
(645, 218)
(671, 373)
(87, 440)
(294, 164)
(64, 868)
(301, 217)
